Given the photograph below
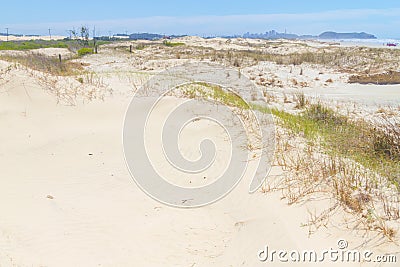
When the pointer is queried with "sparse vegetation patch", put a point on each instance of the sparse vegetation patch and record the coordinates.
(390, 77)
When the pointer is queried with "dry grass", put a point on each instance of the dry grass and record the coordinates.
(300, 100)
(356, 163)
(312, 173)
(70, 90)
(43, 63)
(390, 77)
(6, 74)
(375, 145)
(353, 60)
(66, 80)
(345, 59)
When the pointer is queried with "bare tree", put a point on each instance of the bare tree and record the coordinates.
(85, 34)
(74, 33)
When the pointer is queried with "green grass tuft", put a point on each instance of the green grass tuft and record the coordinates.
(171, 44)
(85, 51)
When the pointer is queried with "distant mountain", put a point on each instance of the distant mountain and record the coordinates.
(353, 35)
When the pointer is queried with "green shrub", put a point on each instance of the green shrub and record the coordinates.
(170, 44)
(85, 51)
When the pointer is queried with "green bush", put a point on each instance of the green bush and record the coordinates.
(170, 44)
(85, 51)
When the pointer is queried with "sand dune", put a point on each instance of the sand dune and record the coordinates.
(67, 198)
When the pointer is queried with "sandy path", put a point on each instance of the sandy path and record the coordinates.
(368, 94)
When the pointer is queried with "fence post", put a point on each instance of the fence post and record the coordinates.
(59, 58)
(94, 44)
(130, 49)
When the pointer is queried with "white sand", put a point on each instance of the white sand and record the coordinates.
(67, 199)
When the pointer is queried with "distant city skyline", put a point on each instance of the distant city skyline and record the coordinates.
(206, 17)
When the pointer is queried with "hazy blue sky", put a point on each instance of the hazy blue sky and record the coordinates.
(203, 17)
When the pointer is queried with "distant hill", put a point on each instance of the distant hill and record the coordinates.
(353, 35)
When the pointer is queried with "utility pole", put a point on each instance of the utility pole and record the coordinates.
(50, 33)
(7, 34)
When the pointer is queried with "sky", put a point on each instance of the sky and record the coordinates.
(203, 17)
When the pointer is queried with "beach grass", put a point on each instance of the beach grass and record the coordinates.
(46, 64)
(375, 147)
(390, 77)
(355, 161)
